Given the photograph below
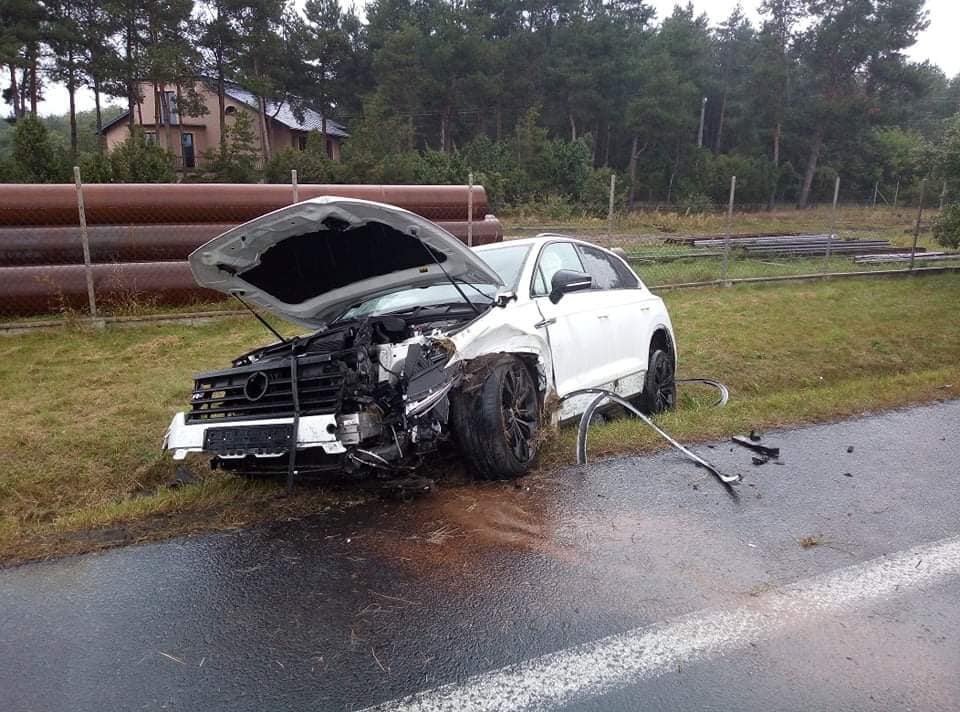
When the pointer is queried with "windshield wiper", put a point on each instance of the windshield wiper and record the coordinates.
(450, 279)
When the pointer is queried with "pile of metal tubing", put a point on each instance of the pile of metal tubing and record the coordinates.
(797, 245)
(139, 235)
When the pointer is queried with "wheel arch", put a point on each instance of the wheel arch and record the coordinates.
(662, 338)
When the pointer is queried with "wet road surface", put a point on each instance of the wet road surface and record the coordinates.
(830, 583)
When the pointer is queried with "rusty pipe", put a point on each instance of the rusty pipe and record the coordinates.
(138, 203)
(52, 288)
(147, 243)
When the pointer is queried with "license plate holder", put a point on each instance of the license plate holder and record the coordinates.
(257, 439)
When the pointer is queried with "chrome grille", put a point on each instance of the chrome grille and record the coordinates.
(238, 393)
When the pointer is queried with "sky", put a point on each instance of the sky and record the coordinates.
(935, 44)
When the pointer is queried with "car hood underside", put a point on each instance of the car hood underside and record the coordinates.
(312, 261)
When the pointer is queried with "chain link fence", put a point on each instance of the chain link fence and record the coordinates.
(121, 251)
(671, 246)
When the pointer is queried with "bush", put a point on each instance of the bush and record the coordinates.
(137, 160)
(236, 160)
(36, 157)
(946, 228)
(96, 168)
(312, 165)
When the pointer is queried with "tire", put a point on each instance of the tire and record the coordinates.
(497, 424)
(659, 392)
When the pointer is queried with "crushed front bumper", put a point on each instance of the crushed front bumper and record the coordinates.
(313, 431)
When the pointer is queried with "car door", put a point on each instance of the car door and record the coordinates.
(626, 305)
(578, 325)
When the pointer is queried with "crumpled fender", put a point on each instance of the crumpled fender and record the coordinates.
(495, 334)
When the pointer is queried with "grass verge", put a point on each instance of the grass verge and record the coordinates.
(84, 410)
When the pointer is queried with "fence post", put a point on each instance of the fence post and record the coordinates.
(896, 194)
(470, 209)
(916, 228)
(296, 188)
(613, 190)
(726, 239)
(943, 194)
(85, 241)
(833, 226)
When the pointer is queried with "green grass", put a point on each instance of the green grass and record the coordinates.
(84, 411)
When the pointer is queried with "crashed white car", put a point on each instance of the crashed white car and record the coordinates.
(415, 338)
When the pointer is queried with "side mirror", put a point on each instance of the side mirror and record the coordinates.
(568, 280)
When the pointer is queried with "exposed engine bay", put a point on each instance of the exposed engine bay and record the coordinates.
(381, 383)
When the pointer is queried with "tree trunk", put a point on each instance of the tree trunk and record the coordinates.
(101, 139)
(776, 144)
(157, 115)
(573, 128)
(723, 116)
(606, 148)
(323, 133)
(633, 171)
(168, 127)
(811, 169)
(499, 122)
(264, 130)
(132, 98)
(34, 87)
(673, 173)
(72, 98)
(179, 150)
(15, 92)
(444, 129)
(222, 105)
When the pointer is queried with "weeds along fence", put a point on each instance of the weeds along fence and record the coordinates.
(116, 250)
(747, 241)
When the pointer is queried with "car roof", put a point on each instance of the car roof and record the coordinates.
(539, 239)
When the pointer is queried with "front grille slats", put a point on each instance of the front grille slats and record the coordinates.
(320, 390)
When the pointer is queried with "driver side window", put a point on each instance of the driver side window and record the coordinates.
(555, 257)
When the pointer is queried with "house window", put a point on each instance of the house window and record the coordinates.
(150, 137)
(230, 111)
(170, 112)
(329, 148)
(302, 142)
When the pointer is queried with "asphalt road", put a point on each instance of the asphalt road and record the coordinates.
(830, 583)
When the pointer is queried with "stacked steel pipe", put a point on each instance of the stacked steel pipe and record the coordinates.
(140, 235)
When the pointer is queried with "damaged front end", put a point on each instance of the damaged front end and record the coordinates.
(382, 289)
(370, 394)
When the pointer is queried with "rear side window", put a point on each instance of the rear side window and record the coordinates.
(607, 271)
(555, 257)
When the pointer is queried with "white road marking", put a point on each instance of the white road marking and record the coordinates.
(591, 669)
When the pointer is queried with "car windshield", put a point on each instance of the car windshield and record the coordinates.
(506, 261)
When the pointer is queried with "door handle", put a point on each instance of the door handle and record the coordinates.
(545, 322)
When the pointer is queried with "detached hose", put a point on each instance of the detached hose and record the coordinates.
(603, 395)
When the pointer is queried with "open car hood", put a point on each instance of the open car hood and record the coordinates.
(312, 261)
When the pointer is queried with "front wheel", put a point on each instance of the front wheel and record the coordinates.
(659, 387)
(497, 424)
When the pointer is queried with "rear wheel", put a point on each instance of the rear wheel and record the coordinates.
(659, 387)
(497, 424)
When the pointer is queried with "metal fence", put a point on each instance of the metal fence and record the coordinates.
(107, 251)
(120, 256)
(672, 246)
